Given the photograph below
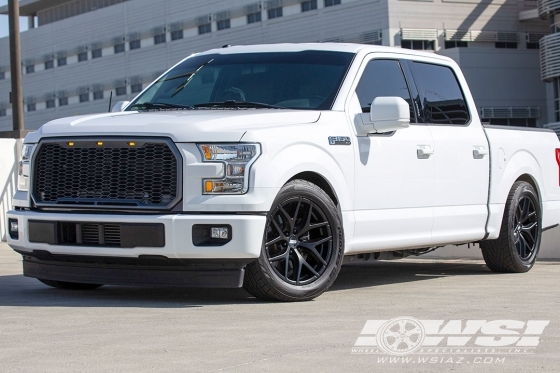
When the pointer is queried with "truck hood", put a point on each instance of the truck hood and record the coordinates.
(181, 126)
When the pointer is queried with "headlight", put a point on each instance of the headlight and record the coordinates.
(23, 172)
(237, 160)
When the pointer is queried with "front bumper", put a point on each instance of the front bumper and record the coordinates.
(178, 261)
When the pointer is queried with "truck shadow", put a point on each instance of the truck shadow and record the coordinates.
(20, 291)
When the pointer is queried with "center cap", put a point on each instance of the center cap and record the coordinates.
(293, 241)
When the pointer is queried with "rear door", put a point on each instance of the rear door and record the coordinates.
(460, 156)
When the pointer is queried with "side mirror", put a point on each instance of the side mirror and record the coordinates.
(389, 114)
(119, 106)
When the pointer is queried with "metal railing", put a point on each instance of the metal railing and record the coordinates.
(547, 6)
(550, 57)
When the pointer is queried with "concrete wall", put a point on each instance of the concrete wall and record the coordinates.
(503, 77)
(9, 156)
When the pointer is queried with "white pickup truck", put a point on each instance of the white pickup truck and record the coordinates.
(263, 166)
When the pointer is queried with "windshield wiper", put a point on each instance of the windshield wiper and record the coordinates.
(238, 104)
(190, 76)
(159, 105)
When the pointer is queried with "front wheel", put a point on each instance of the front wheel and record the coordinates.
(516, 249)
(302, 249)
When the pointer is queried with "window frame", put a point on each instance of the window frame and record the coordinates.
(177, 35)
(414, 97)
(421, 108)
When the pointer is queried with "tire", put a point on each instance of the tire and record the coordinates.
(303, 246)
(517, 247)
(69, 285)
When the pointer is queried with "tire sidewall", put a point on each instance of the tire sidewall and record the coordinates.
(317, 196)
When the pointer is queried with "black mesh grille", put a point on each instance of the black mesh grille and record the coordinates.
(112, 173)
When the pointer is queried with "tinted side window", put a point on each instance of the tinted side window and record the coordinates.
(442, 99)
(382, 78)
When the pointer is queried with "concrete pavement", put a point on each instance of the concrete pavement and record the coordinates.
(127, 329)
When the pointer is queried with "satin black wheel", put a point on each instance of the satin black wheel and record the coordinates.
(302, 246)
(517, 247)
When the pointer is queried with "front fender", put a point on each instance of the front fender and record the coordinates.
(335, 166)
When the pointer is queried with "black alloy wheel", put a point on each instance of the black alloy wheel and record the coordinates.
(303, 246)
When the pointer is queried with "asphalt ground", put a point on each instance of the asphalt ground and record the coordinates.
(134, 329)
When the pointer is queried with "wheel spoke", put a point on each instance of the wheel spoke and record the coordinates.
(530, 215)
(527, 247)
(288, 218)
(279, 257)
(525, 209)
(528, 227)
(313, 251)
(279, 229)
(277, 239)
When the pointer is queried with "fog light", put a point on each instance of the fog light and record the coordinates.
(211, 235)
(219, 232)
(14, 229)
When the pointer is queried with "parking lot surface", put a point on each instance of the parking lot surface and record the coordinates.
(133, 329)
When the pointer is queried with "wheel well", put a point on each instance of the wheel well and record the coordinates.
(527, 178)
(318, 180)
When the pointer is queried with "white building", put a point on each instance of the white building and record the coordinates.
(81, 50)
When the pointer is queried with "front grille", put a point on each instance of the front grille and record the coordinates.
(106, 173)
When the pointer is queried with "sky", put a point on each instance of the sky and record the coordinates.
(4, 22)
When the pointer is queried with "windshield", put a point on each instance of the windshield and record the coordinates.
(300, 80)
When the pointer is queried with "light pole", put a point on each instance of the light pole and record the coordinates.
(15, 71)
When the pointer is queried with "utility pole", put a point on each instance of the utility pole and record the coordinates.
(15, 71)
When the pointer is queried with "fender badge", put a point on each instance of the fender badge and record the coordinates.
(339, 140)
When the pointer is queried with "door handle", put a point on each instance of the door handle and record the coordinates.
(424, 151)
(479, 152)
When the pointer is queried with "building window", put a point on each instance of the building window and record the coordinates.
(506, 45)
(204, 29)
(533, 45)
(119, 48)
(98, 95)
(82, 56)
(423, 45)
(96, 53)
(63, 101)
(50, 103)
(2, 75)
(31, 107)
(61, 61)
(2, 112)
(135, 88)
(134, 44)
(223, 24)
(308, 5)
(275, 13)
(84, 97)
(254, 17)
(176, 35)
(49, 64)
(331, 2)
(159, 39)
(456, 44)
(29, 69)
(121, 91)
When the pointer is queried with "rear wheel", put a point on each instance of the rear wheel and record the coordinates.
(69, 285)
(303, 246)
(517, 247)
